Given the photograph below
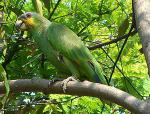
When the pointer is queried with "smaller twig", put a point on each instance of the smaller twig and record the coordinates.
(118, 57)
(61, 16)
(11, 51)
(125, 77)
(112, 41)
(79, 33)
(32, 60)
(54, 9)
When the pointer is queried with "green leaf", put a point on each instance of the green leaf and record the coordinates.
(123, 27)
(6, 83)
(16, 10)
(146, 86)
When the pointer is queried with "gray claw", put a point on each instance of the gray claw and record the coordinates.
(65, 81)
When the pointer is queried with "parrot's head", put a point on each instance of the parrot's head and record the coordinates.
(30, 20)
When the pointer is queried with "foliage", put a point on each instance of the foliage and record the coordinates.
(95, 21)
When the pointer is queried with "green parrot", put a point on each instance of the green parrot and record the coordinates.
(63, 48)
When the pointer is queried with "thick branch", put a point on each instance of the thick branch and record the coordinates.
(142, 16)
(81, 89)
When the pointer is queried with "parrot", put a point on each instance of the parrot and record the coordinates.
(63, 48)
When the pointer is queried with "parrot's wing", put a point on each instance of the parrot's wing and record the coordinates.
(67, 43)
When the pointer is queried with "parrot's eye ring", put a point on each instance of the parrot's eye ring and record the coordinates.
(28, 15)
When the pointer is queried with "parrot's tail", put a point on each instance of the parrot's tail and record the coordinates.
(100, 80)
(99, 76)
(97, 79)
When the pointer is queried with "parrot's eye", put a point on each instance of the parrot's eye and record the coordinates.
(28, 15)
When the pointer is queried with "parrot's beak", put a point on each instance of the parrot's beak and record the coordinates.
(20, 25)
(25, 21)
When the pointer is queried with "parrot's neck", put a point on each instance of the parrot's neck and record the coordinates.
(40, 28)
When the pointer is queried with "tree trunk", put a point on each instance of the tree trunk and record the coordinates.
(142, 17)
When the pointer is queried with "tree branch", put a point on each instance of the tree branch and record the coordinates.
(112, 41)
(11, 51)
(126, 78)
(69, 14)
(85, 88)
(49, 18)
(119, 54)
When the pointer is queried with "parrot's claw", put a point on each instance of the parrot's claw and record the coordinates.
(65, 81)
(53, 81)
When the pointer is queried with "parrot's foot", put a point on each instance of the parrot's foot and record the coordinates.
(53, 81)
(65, 81)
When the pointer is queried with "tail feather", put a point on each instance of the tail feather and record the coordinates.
(99, 76)
(97, 79)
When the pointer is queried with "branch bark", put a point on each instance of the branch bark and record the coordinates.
(85, 88)
(142, 17)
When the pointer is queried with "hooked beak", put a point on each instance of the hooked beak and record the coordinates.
(25, 21)
(20, 25)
